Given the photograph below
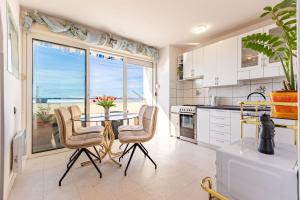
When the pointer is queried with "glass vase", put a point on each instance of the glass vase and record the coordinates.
(106, 113)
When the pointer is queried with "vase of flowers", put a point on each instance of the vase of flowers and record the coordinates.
(106, 102)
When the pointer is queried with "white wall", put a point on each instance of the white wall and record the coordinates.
(12, 95)
(174, 84)
(167, 79)
(163, 101)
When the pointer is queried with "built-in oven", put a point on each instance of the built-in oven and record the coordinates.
(188, 130)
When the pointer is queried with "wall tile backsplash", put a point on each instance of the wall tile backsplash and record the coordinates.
(191, 92)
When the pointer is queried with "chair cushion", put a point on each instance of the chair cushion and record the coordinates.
(133, 136)
(85, 140)
(130, 128)
(91, 129)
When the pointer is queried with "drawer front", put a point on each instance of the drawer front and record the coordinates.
(219, 142)
(220, 128)
(220, 113)
(220, 135)
(220, 120)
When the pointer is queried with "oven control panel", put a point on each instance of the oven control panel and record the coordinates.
(187, 109)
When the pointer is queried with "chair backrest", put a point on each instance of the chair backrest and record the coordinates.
(149, 120)
(75, 112)
(141, 114)
(64, 122)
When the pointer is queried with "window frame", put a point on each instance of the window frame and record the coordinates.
(85, 88)
(27, 78)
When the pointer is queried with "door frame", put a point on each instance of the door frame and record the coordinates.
(28, 67)
(62, 40)
(1, 110)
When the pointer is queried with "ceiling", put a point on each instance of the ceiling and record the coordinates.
(156, 22)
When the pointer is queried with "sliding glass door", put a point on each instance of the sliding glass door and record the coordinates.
(61, 76)
(58, 79)
(139, 84)
(106, 78)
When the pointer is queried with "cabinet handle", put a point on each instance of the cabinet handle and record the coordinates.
(219, 133)
(222, 141)
(218, 125)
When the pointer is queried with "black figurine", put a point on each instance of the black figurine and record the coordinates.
(266, 135)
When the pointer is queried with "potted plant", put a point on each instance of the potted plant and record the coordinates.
(180, 72)
(42, 134)
(282, 48)
(106, 102)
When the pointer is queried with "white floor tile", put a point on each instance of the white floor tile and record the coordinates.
(181, 165)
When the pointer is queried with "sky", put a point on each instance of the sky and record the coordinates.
(59, 72)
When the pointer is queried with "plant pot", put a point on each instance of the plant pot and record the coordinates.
(42, 135)
(285, 112)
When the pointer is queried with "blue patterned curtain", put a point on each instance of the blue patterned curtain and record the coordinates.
(99, 38)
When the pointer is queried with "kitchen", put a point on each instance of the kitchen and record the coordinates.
(165, 100)
(205, 94)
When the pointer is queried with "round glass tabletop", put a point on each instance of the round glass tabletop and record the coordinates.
(100, 117)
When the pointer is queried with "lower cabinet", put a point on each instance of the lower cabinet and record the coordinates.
(203, 125)
(235, 126)
(223, 127)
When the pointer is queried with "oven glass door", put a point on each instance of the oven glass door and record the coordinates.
(187, 125)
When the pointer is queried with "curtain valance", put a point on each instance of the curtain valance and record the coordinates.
(84, 34)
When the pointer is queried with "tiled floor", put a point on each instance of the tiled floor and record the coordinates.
(181, 165)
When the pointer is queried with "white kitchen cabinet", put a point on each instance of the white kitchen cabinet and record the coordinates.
(203, 125)
(271, 66)
(210, 65)
(235, 126)
(192, 63)
(222, 127)
(198, 62)
(187, 65)
(227, 61)
(249, 60)
(175, 132)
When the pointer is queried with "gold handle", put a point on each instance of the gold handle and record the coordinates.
(206, 185)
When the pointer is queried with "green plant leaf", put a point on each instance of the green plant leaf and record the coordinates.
(268, 8)
(264, 14)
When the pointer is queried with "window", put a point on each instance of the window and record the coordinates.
(58, 80)
(139, 84)
(106, 78)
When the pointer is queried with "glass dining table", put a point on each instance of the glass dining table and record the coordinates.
(108, 133)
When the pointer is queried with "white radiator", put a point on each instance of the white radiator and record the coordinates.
(19, 150)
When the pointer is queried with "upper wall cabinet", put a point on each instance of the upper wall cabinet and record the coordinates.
(188, 65)
(272, 67)
(227, 61)
(253, 65)
(198, 62)
(210, 65)
(192, 63)
(220, 63)
(249, 62)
